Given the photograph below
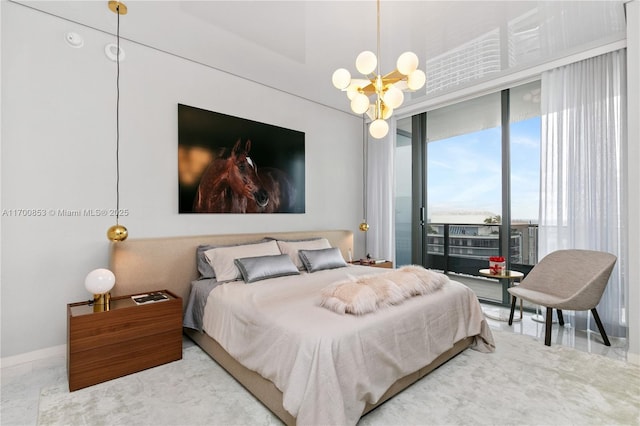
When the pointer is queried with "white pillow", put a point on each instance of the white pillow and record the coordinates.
(222, 259)
(293, 247)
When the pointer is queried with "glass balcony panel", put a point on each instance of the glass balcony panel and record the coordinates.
(463, 255)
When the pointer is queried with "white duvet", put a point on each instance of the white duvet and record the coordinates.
(327, 365)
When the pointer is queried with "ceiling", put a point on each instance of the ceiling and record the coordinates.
(294, 46)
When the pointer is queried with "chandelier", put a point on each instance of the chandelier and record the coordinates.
(378, 95)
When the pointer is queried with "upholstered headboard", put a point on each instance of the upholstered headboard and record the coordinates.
(143, 265)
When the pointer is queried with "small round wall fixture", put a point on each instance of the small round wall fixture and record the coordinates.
(117, 233)
(74, 40)
(111, 50)
(364, 226)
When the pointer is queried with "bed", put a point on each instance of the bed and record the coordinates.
(308, 364)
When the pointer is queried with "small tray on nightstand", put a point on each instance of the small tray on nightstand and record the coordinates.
(375, 263)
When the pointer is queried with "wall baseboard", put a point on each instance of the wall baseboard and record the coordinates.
(41, 354)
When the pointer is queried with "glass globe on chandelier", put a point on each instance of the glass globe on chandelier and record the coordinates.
(378, 95)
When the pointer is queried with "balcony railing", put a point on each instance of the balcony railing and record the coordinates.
(466, 248)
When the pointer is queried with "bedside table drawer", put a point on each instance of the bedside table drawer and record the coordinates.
(108, 362)
(107, 328)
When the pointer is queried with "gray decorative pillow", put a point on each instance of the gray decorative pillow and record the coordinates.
(317, 260)
(222, 259)
(264, 267)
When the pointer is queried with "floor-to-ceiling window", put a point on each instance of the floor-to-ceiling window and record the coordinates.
(463, 181)
(524, 120)
(478, 185)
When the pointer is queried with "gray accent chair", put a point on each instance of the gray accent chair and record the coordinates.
(566, 279)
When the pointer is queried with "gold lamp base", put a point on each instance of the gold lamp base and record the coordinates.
(117, 233)
(101, 302)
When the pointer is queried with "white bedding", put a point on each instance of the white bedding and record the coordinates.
(329, 365)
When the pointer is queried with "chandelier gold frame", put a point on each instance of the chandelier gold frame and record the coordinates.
(386, 89)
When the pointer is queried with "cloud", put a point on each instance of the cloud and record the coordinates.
(465, 173)
(526, 141)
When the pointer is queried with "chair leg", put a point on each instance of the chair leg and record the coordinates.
(513, 307)
(521, 317)
(560, 317)
(600, 327)
(547, 327)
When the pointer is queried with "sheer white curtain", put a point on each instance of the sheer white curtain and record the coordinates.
(380, 194)
(582, 187)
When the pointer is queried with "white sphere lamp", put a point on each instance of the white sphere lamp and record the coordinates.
(416, 80)
(393, 97)
(407, 63)
(366, 62)
(99, 282)
(341, 78)
(378, 128)
(360, 103)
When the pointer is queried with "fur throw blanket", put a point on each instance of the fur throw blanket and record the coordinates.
(361, 295)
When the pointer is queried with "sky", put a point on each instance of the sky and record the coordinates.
(464, 172)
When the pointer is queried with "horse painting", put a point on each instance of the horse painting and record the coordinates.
(236, 185)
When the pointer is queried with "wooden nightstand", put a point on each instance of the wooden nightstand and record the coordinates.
(386, 264)
(125, 339)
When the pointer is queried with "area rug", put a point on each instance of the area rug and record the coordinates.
(522, 383)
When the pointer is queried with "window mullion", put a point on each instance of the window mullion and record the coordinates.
(505, 228)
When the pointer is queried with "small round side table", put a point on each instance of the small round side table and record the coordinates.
(512, 276)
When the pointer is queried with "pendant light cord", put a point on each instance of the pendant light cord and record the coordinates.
(378, 84)
(365, 168)
(378, 34)
(118, 118)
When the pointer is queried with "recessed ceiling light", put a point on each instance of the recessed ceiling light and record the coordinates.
(111, 50)
(74, 39)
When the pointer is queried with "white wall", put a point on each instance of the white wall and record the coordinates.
(58, 152)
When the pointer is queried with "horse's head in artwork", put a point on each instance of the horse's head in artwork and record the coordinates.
(233, 184)
(242, 175)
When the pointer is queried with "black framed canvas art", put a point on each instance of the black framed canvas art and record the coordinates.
(230, 164)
